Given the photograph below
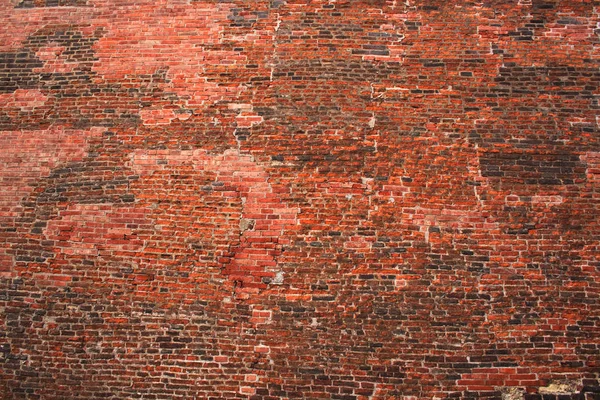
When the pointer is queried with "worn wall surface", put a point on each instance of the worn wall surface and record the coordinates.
(360, 199)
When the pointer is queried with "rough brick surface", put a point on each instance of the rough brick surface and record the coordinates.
(361, 199)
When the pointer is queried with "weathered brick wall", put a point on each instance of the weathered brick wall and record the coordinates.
(360, 199)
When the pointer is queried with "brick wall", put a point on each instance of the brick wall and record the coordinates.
(338, 199)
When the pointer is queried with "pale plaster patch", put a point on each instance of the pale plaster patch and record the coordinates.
(27, 156)
(23, 99)
(264, 216)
